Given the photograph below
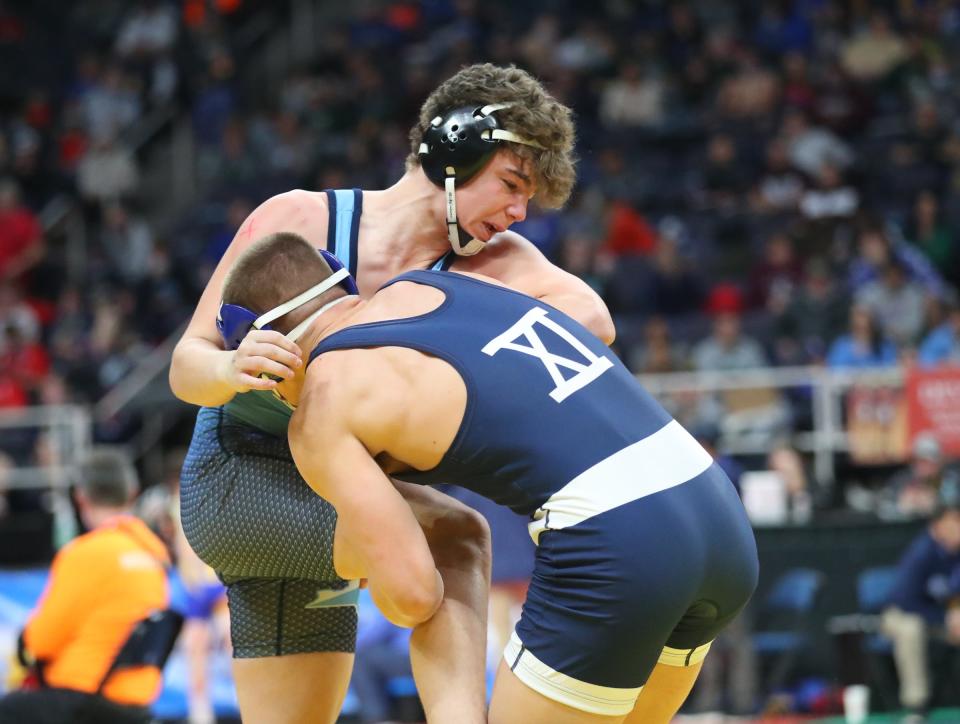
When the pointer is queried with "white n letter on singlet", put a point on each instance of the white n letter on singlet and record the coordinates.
(585, 373)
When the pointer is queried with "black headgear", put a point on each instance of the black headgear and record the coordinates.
(456, 147)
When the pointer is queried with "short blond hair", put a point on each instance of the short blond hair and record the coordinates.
(272, 270)
(534, 114)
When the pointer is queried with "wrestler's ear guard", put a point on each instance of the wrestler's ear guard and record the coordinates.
(455, 148)
(235, 322)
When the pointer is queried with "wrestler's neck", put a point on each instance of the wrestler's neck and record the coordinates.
(406, 222)
(334, 319)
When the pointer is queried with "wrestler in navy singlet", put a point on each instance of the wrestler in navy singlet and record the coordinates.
(644, 549)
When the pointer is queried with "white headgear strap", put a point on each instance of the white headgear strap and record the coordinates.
(301, 299)
(294, 334)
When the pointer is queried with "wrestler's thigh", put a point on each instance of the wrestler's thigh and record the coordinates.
(296, 689)
(246, 510)
(514, 702)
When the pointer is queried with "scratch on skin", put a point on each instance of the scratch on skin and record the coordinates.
(248, 231)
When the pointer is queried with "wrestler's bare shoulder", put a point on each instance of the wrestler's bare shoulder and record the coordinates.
(297, 211)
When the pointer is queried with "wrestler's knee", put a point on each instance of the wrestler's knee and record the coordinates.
(457, 534)
(461, 537)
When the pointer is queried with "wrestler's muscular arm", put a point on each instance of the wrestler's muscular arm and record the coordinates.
(201, 371)
(334, 435)
(512, 260)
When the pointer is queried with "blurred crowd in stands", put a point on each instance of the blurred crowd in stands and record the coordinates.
(761, 183)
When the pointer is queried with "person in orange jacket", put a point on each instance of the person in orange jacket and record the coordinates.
(101, 585)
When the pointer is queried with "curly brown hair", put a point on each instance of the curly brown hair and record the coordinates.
(534, 114)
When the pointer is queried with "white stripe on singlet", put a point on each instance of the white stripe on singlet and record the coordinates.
(667, 458)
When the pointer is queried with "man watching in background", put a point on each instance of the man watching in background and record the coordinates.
(923, 604)
(101, 585)
(917, 490)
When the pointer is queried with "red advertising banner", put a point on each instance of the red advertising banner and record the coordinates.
(933, 405)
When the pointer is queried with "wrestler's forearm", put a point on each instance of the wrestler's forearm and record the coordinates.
(197, 373)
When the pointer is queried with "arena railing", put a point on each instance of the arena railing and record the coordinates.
(60, 436)
(44, 446)
(746, 431)
(822, 388)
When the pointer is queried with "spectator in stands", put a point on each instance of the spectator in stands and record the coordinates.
(784, 460)
(863, 346)
(811, 147)
(116, 345)
(898, 174)
(234, 161)
(928, 481)
(724, 174)
(780, 186)
(941, 346)
(101, 585)
(727, 348)
(798, 87)
(589, 48)
(148, 31)
(682, 36)
(16, 316)
(128, 242)
(657, 353)
(537, 45)
(874, 52)
(27, 156)
(216, 100)
(831, 198)
(773, 278)
(896, 303)
(875, 248)
(750, 93)
(840, 104)
(920, 607)
(635, 98)
(928, 136)
(145, 42)
(67, 337)
(676, 289)
(25, 361)
(628, 231)
(815, 314)
(21, 237)
(578, 255)
(930, 232)
(757, 410)
(111, 104)
(107, 172)
(827, 212)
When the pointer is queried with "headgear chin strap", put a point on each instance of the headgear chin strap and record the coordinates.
(235, 322)
(461, 242)
(455, 148)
